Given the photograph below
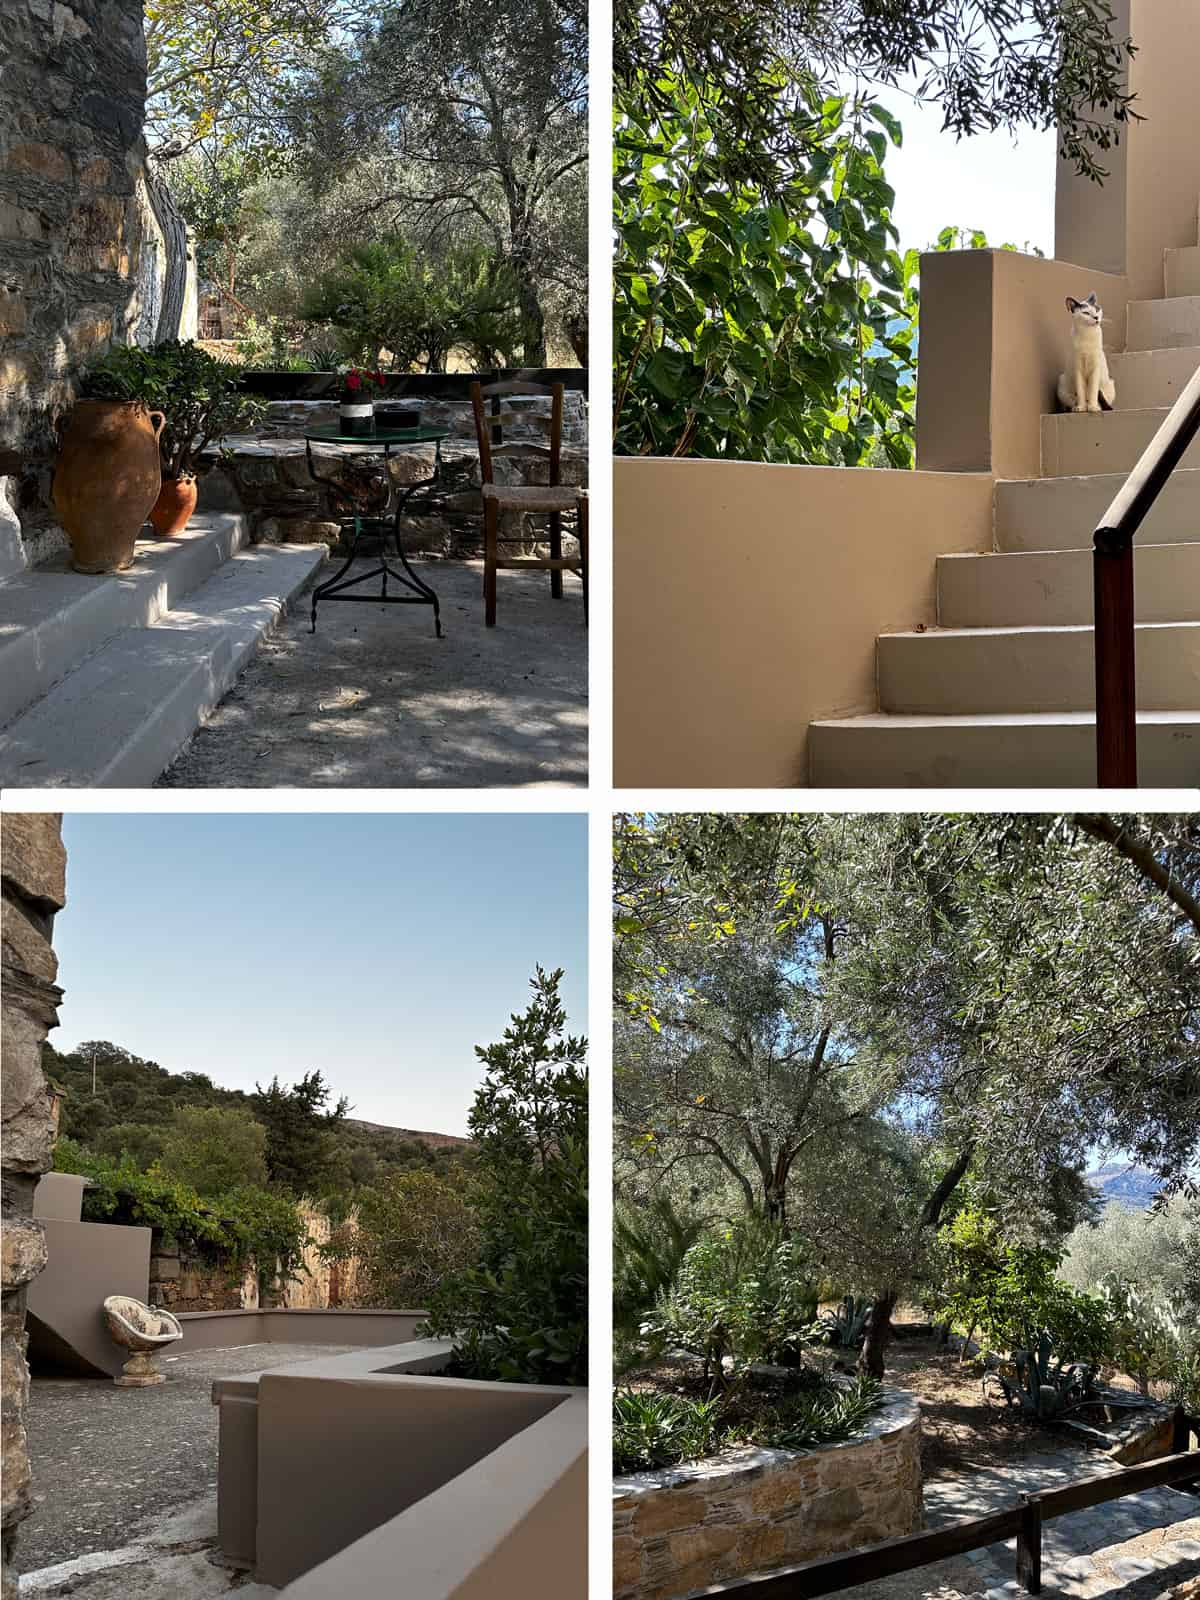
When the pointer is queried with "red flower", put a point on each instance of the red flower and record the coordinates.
(353, 381)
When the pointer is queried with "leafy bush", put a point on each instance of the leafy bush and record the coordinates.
(1010, 1294)
(801, 1420)
(1148, 1249)
(200, 397)
(413, 1230)
(744, 1292)
(520, 1315)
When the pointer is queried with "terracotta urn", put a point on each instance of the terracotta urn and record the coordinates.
(176, 501)
(108, 476)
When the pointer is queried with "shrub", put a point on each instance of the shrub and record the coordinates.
(831, 1414)
(743, 1292)
(414, 1230)
(658, 1430)
(649, 1247)
(520, 1315)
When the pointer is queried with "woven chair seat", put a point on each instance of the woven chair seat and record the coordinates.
(560, 497)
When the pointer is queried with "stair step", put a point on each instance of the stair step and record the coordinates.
(1163, 324)
(51, 617)
(1078, 443)
(1024, 750)
(1181, 270)
(1151, 379)
(1063, 513)
(1044, 588)
(965, 671)
(125, 712)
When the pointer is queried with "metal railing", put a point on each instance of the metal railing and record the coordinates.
(1022, 1521)
(1112, 566)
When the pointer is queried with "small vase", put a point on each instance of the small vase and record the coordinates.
(356, 416)
(176, 501)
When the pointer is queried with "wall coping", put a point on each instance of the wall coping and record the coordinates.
(743, 1463)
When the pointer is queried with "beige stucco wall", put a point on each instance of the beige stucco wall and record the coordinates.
(994, 337)
(1148, 202)
(747, 599)
(751, 1510)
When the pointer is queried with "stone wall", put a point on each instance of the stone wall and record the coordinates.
(81, 251)
(266, 475)
(33, 882)
(751, 1510)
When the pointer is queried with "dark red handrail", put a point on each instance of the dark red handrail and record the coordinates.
(1112, 566)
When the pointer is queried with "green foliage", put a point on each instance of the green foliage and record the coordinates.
(744, 1291)
(200, 396)
(1010, 1293)
(301, 1149)
(831, 1414)
(773, 325)
(140, 1141)
(414, 1230)
(246, 1224)
(649, 1247)
(652, 1430)
(1146, 1248)
(215, 1149)
(520, 1315)
(659, 1430)
(388, 296)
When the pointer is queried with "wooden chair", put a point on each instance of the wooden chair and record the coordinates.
(551, 500)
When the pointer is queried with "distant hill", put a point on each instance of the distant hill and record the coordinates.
(437, 1141)
(1125, 1185)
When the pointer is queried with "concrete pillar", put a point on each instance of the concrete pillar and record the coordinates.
(33, 884)
(1148, 203)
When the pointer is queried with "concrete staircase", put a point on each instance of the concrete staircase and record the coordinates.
(1001, 693)
(103, 679)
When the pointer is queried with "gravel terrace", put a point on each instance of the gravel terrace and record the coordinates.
(374, 700)
(108, 1462)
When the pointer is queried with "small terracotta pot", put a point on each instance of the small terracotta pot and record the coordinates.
(107, 478)
(176, 501)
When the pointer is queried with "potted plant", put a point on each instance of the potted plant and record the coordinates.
(200, 399)
(356, 409)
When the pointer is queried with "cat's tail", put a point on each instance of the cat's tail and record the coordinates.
(1108, 395)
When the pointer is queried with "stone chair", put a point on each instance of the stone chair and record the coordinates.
(143, 1331)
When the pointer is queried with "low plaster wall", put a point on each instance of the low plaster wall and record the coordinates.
(86, 1262)
(753, 1510)
(221, 1330)
(747, 599)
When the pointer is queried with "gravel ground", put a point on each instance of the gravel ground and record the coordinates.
(108, 1462)
(374, 700)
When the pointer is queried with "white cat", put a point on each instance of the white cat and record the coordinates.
(1086, 385)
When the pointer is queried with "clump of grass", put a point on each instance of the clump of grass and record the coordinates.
(801, 1421)
(659, 1430)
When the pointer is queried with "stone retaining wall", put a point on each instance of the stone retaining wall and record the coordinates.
(266, 475)
(34, 890)
(752, 1510)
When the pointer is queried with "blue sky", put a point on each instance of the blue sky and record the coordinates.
(379, 948)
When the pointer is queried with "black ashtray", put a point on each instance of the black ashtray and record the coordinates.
(390, 414)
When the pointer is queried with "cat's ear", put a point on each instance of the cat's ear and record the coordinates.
(1091, 299)
(1072, 304)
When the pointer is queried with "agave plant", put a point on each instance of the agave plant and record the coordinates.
(847, 1326)
(1042, 1386)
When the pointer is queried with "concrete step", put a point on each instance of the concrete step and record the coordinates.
(1050, 751)
(51, 617)
(1181, 271)
(1152, 379)
(1063, 513)
(967, 671)
(1044, 588)
(125, 712)
(1077, 443)
(1163, 324)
